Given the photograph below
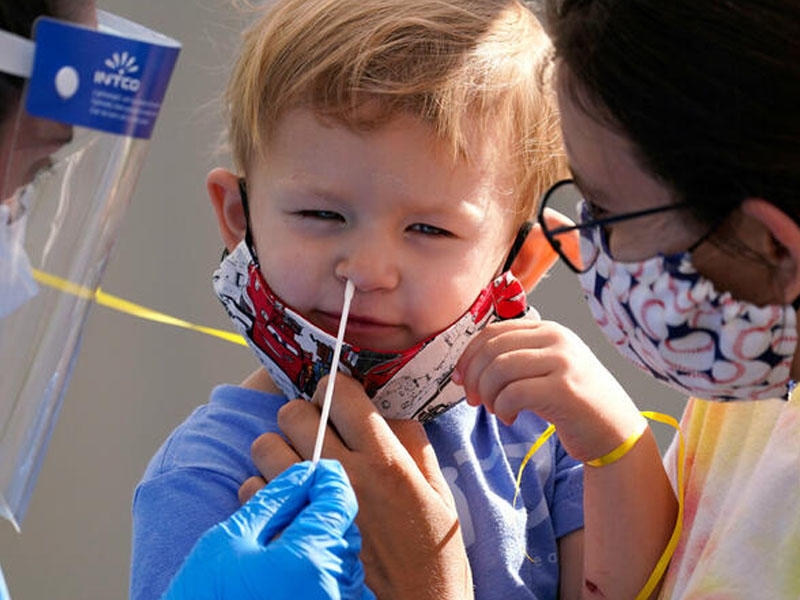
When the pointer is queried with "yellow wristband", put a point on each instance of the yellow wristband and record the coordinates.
(614, 455)
(620, 450)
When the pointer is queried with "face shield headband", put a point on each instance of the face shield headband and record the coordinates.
(70, 153)
(411, 383)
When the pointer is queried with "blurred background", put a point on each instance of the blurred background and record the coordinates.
(134, 380)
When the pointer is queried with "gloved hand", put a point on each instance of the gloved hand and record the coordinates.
(314, 556)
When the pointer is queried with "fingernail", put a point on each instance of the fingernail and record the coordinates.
(457, 377)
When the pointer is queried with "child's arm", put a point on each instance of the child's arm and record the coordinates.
(411, 540)
(570, 559)
(629, 506)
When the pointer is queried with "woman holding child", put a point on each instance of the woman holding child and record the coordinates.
(688, 110)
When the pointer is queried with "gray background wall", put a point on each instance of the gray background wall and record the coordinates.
(134, 380)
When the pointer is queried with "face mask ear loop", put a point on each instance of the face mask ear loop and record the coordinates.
(248, 234)
(519, 241)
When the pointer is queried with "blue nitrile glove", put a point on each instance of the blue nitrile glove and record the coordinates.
(314, 556)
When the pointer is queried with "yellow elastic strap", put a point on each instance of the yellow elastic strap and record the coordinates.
(620, 450)
(666, 556)
(130, 308)
(614, 455)
(536, 445)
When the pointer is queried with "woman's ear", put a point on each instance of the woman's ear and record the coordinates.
(536, 255)
(783, 246)
(223, 191)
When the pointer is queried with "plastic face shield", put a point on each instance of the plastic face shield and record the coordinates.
(69, 160)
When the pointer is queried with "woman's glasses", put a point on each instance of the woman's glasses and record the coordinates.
(565, 198)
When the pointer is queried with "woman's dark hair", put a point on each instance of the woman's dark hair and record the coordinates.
(707, 90)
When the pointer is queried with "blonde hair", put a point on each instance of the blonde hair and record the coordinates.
(464, 67)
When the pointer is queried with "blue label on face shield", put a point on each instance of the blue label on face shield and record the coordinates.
(98, 80)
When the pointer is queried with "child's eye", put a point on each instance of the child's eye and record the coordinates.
(322, 215)
(431, 230)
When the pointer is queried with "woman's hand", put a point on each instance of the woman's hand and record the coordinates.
(412, 545)
(294, 539)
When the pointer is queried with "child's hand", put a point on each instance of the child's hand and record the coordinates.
(397, 481)
(544, 367)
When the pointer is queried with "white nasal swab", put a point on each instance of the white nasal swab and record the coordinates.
(349, 288)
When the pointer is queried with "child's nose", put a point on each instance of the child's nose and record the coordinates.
(370, 264)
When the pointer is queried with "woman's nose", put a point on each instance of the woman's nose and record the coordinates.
(371, 264)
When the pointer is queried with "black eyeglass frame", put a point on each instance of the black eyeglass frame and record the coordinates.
(550, 234)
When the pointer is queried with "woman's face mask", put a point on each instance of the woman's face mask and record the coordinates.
(412, 383)
(17, 285)
(669, 320)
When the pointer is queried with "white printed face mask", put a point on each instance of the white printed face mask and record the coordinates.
(17, 285)
(666, 318)
(409, 384)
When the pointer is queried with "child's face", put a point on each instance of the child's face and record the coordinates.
(418, 234)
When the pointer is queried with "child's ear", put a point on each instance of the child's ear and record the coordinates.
(536, 255)
(223, 191)
(781, 243)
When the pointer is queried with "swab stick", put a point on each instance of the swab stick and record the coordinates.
(349, 288)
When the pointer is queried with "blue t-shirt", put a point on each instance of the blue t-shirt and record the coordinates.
(193, 480)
